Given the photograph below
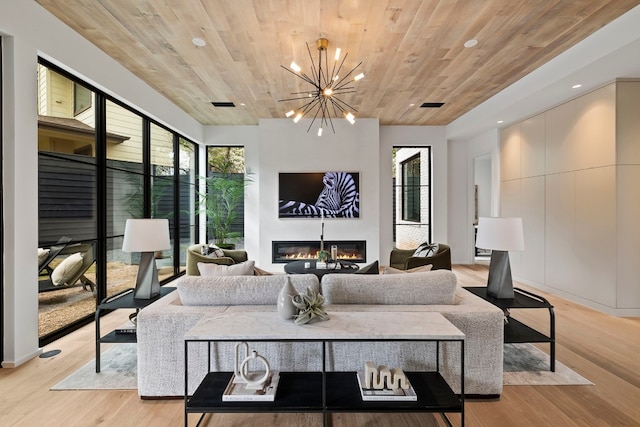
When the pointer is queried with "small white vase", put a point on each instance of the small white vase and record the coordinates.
(286, 309)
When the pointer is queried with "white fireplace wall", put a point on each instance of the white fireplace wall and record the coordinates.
(278, 145)
(287, 147)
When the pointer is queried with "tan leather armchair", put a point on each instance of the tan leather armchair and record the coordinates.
(403, 259)
(194, 257)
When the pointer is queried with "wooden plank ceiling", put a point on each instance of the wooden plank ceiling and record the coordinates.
(411, 51)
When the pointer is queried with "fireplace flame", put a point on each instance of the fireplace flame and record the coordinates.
(301, 255)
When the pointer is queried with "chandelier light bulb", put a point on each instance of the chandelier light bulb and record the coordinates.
(319, 131)
(358, 77)
(327, 92)
(337, 53)
(350, 117)
(289, 113)
(295, 67)
(297, 118)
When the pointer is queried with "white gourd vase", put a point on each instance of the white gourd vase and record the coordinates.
(286, 309)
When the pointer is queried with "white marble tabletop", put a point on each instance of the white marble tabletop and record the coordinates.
(340, 326)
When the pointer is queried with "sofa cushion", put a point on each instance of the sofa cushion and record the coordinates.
(421, 269)
(240, 290)
(42, 255)
(428, 288)
(240, 269)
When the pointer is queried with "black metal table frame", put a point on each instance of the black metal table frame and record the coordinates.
(121, 300)
(523, 332)
(325, 409)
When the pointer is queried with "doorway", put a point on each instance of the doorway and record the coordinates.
(482, 199)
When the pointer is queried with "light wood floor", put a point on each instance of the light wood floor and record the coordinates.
(604, 349)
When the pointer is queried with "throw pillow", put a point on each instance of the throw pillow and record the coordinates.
(260, 272)
(42, 255)
(421, 269)
(372, 268)
(240, 269)
(215, 252)
(66, 270)
(426, 249)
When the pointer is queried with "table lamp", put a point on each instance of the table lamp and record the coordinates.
(501, 235)
(146, 236)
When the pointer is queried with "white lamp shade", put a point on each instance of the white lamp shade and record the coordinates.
(500, 234)
(146, 235)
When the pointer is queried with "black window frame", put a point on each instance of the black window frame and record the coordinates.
(411, 208)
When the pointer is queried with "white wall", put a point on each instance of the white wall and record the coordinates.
(287, 147)
(27, 31)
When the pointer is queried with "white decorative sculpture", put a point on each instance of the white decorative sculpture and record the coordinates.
(252, 380)
(381, 377)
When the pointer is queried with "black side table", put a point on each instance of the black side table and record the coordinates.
(123, 299)
(516, 331)
(298, 267)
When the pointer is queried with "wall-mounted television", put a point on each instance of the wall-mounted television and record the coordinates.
(316, 194)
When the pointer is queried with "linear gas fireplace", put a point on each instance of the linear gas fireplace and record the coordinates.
(350, 250)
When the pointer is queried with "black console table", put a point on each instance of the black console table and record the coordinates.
(325, 391)
(516, 331)
(123, 299)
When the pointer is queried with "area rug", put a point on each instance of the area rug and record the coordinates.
(118, 366)
(525, 364)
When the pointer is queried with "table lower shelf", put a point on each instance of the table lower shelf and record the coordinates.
(115, 337)
(302, 392)
(517, 332)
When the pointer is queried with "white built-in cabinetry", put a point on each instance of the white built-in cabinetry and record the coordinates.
(572, 173)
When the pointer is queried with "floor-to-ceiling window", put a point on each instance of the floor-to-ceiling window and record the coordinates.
(187, 200)
(101, 162)
(226, 180)
(412, 208)
(67, 220)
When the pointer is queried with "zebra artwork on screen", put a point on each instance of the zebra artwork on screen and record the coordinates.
(313, 194)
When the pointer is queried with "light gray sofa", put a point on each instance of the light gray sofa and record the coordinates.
(163, 324)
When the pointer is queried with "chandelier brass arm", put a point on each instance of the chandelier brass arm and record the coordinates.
(327, 87)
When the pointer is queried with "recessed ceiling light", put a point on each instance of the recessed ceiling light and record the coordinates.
(242, 104)
(412, 105)
(470, 43)
(500, 121)
(576, 86)
(198, 42)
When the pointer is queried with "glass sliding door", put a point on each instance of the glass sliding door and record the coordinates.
(67, 215)
(125, 191)
(163, 192)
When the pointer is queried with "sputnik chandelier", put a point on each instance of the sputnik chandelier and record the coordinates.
(323, 100)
